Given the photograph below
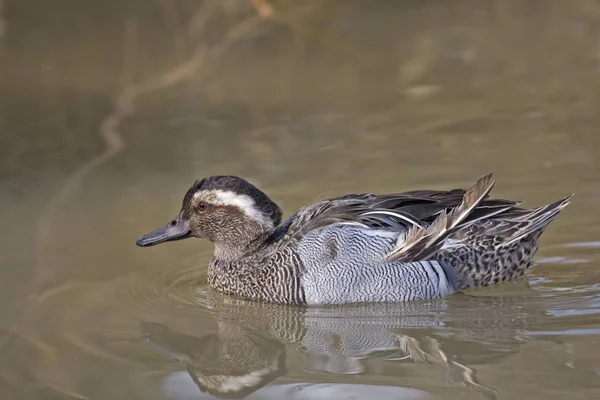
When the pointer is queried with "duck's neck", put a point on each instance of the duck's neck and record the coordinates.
(243, 244)
(234, 267)
(232, 270)
(249, 271)
(232, 252)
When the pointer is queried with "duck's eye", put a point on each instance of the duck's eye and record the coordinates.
(202, 206)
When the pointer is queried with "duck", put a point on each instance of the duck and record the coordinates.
(358, 248)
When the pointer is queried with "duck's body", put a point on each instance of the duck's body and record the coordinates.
(358, 248)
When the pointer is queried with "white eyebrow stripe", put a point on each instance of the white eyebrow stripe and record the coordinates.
(244, 202)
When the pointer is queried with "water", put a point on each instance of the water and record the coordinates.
(111, 109)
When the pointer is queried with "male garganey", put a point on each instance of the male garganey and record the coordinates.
(397, 247)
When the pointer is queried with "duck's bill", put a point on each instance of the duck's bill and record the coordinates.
(175, 230)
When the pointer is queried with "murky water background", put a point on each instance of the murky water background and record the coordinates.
(109, 110)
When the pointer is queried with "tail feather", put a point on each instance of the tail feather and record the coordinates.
(420, 242)
(500, 218)
(537, 219)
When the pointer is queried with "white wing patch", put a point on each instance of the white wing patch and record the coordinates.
(243, 202)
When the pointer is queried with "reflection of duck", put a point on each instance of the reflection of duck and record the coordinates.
(230, 363)
(248, 350)
(358, 248)
(177, 386)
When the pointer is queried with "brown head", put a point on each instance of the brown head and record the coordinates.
(227, 210)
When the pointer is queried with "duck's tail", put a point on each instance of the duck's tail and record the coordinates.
(500, 249)
(520, 224)
(505, 222)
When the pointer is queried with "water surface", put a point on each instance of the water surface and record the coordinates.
(110, 110)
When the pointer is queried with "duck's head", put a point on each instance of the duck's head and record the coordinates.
(227, 210)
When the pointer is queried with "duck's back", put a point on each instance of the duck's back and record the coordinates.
(344, 264)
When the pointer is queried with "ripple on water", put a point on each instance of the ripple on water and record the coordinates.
(180, 290)
(584, 244)
(573, 301)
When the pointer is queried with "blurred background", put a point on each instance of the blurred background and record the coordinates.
(109, 110)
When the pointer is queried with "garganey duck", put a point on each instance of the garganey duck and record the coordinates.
(398, 247)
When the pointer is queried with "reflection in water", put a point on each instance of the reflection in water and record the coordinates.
(177, 387)
(248, 349)
(233, 361)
